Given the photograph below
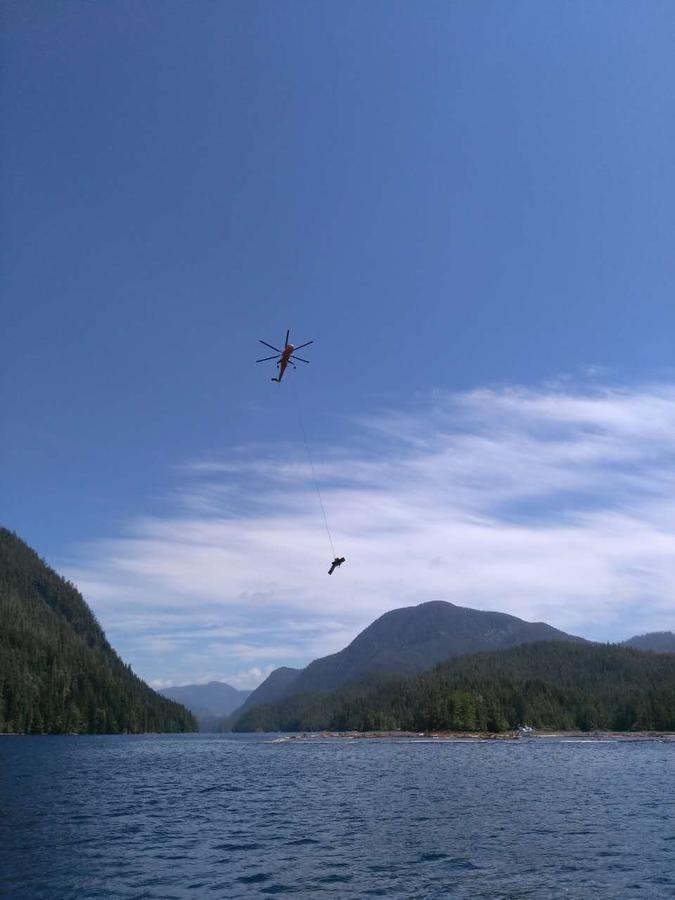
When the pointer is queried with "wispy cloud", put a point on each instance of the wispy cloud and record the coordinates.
(549, 503)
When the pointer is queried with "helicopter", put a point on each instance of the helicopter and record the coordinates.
(284, 356)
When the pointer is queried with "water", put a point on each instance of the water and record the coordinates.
(243, 816)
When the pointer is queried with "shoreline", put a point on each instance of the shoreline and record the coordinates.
(402, 736)
(476, 736)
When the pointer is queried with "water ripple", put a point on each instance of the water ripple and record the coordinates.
(239, 817)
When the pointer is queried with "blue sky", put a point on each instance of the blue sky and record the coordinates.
(468, 206)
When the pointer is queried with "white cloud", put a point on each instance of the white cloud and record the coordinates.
(552, 504)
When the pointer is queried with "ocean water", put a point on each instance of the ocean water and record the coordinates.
(250, 816)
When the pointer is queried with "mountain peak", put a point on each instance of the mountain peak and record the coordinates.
(404, 641)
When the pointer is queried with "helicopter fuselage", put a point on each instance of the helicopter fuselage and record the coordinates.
(283, 362)
(284, 357)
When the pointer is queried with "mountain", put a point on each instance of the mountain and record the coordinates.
(659, 641)
(277, 685)
(207, 701)
(405, 641)
(553, 684)
(58, 673)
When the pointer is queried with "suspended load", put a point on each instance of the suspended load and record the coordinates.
(337, 562)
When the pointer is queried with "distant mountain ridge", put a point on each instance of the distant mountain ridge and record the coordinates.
(58, 673)
(658, 641)
(207, 701)
(403, 642)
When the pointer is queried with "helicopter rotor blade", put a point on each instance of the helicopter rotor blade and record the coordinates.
(301, 359)
(287, 334)
(304, 345)
(265, 358)
(276, 349)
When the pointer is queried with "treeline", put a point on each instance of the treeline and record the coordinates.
(58, 673)
(548, 685)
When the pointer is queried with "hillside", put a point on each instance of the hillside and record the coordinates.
(558, 685)
(58, 673)
(403, 642)
(276, 686)
(658, 641)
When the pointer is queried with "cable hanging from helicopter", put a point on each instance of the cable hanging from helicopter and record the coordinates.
(285, 358)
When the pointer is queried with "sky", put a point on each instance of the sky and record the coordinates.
(468, 206)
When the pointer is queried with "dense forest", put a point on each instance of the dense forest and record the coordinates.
(550, 685)
(58, 673)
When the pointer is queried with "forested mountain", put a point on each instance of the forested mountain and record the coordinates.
(405, 641)
(547, 685)
(207, 701)
(659, 641)
(58, 673)
(274, 687)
